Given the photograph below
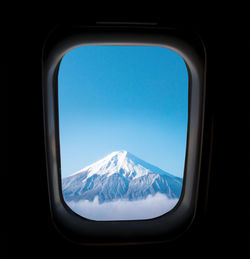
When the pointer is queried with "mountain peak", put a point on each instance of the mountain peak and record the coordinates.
(120, 161)
(120, 174)
(121, 151)
(118, 153)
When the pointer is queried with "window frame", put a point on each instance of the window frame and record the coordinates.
(177, 220)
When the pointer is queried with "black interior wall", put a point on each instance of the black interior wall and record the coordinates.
(219, 231)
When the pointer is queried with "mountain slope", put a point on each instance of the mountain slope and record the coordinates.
(120, 175)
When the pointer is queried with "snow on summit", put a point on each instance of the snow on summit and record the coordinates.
(120, 175)
(120, 160)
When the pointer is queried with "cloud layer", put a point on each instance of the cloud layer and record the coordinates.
(151, 207)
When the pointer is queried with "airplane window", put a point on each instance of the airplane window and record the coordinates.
(123, 119)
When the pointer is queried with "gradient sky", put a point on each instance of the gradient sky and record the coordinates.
(132, 98)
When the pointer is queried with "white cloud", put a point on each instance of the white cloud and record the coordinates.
(151, 207)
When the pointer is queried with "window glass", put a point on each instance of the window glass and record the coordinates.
(123, 116)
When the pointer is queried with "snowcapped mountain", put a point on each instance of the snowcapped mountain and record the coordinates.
(120, 175)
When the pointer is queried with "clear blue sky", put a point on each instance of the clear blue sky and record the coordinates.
(132, 98)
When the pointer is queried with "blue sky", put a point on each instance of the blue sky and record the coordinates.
(132, 98)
